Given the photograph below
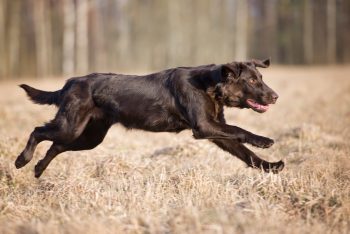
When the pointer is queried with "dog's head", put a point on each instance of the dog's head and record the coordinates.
(242, 86)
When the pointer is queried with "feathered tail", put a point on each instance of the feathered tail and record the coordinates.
(42, 97)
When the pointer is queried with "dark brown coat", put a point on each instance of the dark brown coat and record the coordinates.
(168, 101)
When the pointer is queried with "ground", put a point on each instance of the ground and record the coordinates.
(139, 182)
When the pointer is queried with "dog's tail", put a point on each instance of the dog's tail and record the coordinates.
(42, 97)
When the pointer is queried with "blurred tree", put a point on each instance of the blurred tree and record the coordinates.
(320, 31)
(3, 59)
(50, 37)
(331, 31)
(42, 38)
(68, 37)
(13, 38)
(124, 32)
(241, 33)
(343, 35)
(270, 20)
(82, 36)
(308, 32)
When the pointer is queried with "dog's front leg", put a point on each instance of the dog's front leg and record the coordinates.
(259, 141)
(249, 157)
(214, 130)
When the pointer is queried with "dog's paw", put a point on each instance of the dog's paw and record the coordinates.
(21, 161)
(261, 142)
(38, 169)
(274, 167)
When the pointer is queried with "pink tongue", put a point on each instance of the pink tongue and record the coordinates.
(262, 107)
(257, 105)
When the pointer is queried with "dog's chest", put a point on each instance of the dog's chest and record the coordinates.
(217, 110)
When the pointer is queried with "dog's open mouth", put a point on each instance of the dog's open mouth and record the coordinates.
(256, 106)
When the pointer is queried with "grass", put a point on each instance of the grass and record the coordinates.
(139, 182)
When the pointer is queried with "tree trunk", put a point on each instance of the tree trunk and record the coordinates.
(331, 31)
(271, 28)
(82, 36)
(241, 46)
(68, 37)
(41, 39)
(2, 40)
(124, 29)
(13, 39)
(308, 32)
(175, 37)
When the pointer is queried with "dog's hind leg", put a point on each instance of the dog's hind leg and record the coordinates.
(27, 153)
(249, 157)
(92, 136)
(53, 151)
(69, 123)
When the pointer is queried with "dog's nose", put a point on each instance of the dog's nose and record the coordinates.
(274, 97)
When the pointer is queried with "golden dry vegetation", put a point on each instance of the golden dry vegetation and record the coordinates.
(139, 182)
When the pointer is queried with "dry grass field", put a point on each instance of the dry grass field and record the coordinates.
(139, 182)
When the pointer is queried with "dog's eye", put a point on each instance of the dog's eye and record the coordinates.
(252, 80)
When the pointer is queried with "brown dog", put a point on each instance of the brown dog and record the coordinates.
(169, 101)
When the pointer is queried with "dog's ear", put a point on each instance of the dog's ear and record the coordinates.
(258, 63)
(231, 71)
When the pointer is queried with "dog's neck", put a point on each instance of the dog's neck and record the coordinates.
(217, 100)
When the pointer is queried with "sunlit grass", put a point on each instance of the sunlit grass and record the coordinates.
(137, 182)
